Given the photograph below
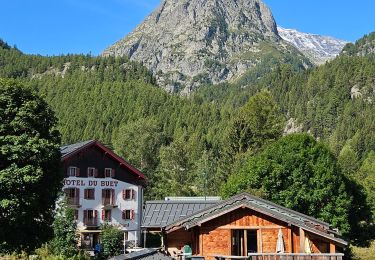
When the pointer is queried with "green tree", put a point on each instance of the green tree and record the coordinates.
(366, 176)
(139, 142)
(257, 123)
(299, 173)
(174, 176)
(112, 240)
(30, 176)
(64, 242)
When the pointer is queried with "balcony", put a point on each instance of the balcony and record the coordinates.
(74, 202)
(108, 203)
(91, 222)
(280, 256)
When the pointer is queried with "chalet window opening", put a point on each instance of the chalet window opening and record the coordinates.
(244, 242)
(108, 197)
(109, 173)
(90, 217)
(72, 196)
(73, 171)
(92, 172)
(89, 194)
(128, 214)
(76, 214)
(128, 194)
(107, 215)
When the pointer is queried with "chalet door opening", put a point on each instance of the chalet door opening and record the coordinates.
(244, 242)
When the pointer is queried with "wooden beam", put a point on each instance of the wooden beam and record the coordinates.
(301, 240)
(251, 227)
(332, 248)
(260, 239)
(290, 240)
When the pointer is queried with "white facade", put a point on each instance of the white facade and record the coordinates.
(90, 210)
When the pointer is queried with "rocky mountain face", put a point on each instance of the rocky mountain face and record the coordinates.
(363, 47)
(186, 43)
(317, 48)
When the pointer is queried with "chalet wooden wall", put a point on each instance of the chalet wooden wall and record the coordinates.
(214, 237)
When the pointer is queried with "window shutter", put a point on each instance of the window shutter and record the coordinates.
(113, 196)
(95, 214)
(113, 173)
(103, 214)
(133, 194)
(77, 172)
(132, 214)
(68, 171)
(96, 173)
(123, 194)
(84, 215)
(123, 214)
(103, 196)
(85, 193)
(77, 193)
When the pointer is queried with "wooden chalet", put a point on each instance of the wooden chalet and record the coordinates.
(241, 227)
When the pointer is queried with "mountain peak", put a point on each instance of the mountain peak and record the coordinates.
(317, 48)
(189, 42)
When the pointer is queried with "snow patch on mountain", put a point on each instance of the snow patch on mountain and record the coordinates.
(317, 48)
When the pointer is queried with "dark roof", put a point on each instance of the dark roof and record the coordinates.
(145, 254)
(69, 150)
(160, 213)
(268, 208)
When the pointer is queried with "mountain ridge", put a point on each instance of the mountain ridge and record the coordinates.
(318, 48)
(188, 43)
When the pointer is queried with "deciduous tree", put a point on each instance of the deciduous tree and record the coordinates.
(29, 167)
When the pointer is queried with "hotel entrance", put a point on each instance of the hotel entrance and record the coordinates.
(89, 240)
(244, 242)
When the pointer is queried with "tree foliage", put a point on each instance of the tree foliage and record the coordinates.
(299, 173)
(64, 242)
(257, 123)
(29, 167)
(112, 240)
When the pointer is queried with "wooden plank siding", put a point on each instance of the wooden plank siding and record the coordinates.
(214, 237)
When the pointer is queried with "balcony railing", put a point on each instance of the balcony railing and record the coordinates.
(286, 256)
(90, 222)
(73, 201)
(108, 202)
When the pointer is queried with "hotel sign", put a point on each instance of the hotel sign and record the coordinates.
(89, 183)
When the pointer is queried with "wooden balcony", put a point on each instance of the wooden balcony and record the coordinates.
(286, 256)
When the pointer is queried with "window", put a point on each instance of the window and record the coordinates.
(90, 194)
(73, 171)
(106, 215)
(90, 217)
(91, 172)
(109, 173)
(72, 195)
(108, 197)
(128, 194)
(128, 214)
(76, 214)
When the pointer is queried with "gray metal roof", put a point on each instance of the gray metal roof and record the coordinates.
(145, 254)
(260, 205)
(67, 149)
(160, 213)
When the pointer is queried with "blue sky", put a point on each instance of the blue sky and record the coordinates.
(52, 27)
